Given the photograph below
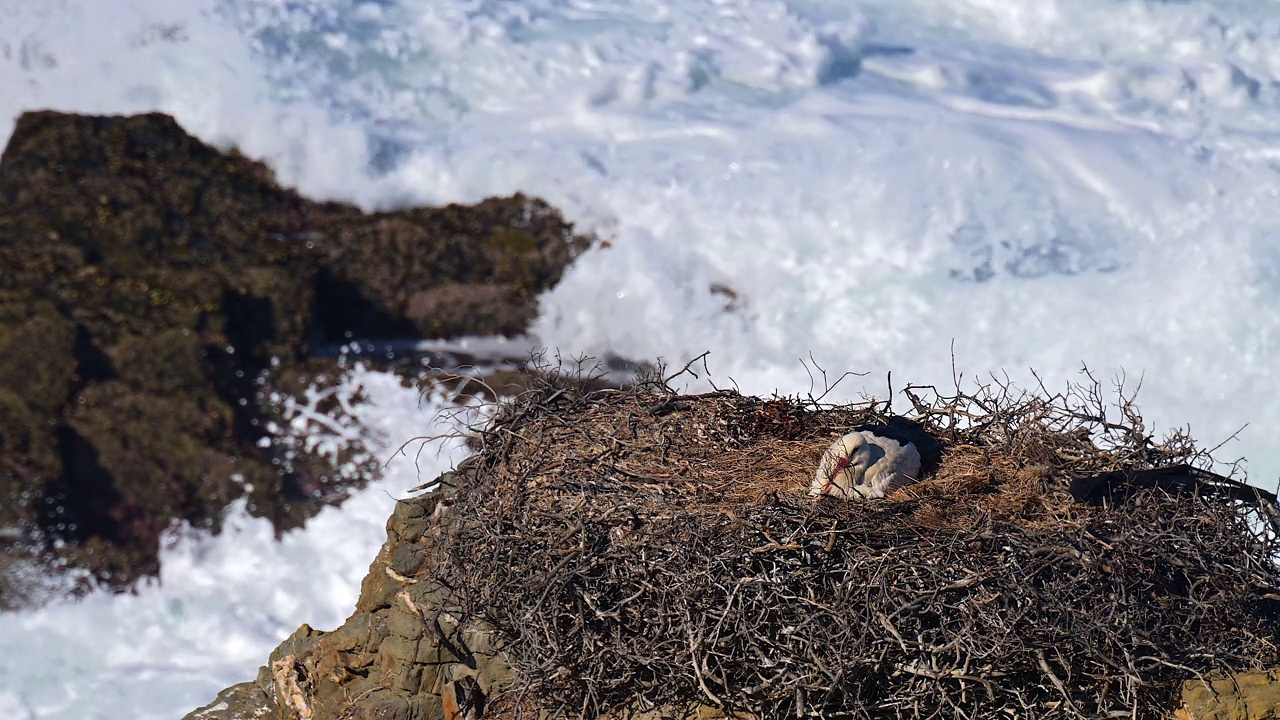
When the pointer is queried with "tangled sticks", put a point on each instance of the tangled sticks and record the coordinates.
(641, 550)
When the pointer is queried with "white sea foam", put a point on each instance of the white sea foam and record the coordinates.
(1038, 183)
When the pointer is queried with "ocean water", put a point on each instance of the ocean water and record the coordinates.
(906, 186)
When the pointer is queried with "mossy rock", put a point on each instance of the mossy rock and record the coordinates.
(166, 362)
(23, 434)
(152, 288)
(36, 355)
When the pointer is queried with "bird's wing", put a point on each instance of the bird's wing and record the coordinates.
(909, 431)
(1175, 480)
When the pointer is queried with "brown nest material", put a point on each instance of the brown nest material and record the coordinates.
(641, 550)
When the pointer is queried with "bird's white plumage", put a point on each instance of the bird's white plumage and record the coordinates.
(865, 465)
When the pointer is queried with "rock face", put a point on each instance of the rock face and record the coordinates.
(1246, 696)
(400, 655)
(151, 288)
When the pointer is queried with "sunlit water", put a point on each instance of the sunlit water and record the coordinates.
(890, 185)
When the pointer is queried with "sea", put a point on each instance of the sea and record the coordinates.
(913, 191)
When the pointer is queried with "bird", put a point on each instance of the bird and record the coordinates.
(874, 460)
(1115, 487)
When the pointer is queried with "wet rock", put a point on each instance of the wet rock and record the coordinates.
(153, 287)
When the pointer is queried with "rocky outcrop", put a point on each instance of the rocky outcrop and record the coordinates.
(151, 288)
(1245, 696)
(646, 555)
(402, 654)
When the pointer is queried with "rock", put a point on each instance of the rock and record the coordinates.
(1246, 696)
(151, 288)
(402, 654)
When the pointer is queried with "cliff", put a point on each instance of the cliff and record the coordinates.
(645, 554)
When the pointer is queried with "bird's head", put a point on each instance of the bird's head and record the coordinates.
(843, 468)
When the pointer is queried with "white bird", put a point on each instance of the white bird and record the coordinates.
(873, 461)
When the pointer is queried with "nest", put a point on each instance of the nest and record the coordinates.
(642, 550)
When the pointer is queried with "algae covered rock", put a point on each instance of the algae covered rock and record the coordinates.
(151, 288)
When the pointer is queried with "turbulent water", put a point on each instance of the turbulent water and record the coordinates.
(910, 186)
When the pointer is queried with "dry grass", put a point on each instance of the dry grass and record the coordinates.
(641, 549)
